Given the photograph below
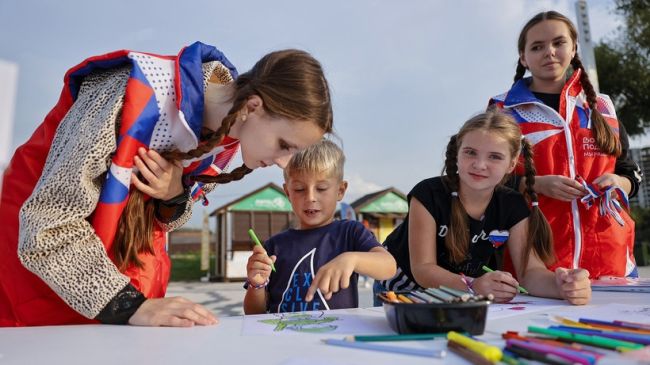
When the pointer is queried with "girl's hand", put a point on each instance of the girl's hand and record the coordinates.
(607, 180)
(559, 187)
(501, 284)
(162, 177)
(574, 285)
(258, 268)
(333, 276)
(172, 312)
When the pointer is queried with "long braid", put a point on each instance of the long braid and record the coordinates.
(135, 229)
(539, 236)
(291, 84)
(606, 140)
(242, 84)
(457, 240)
(521, 71)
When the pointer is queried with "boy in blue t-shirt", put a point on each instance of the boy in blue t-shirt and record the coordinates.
(318, 263)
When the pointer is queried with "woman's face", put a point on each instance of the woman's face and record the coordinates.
(548, 51)
(267, 140)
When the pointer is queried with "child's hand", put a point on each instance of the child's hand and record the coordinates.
(162, 178)
(574, 285)
(559, 187)
(501, 284)
(172, 312)
(333, 276)
(606, 180)
(258, 268)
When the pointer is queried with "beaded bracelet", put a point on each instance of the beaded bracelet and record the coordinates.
(468, 282)
(248, 284)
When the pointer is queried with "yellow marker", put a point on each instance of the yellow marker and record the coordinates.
(571, 323)
(391, 296)
(491, 353)
(404, 299)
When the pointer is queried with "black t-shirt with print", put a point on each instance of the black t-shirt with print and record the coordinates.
(300, 253)
(506, 208)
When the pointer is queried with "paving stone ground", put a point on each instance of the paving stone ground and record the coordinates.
(226, 299)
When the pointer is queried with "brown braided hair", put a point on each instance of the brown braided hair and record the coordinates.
(457, 240)
(539, 238)
(605, 137)
(291, 84)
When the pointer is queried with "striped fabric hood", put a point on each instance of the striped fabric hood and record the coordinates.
(163, 110)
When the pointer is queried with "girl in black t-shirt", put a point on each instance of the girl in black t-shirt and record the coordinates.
(458, 222)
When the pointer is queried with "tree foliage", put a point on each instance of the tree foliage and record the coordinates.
(624, 66)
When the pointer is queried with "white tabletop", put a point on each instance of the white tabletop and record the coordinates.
(225, 343)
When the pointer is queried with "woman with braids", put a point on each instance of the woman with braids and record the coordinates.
(461, 221)
(134, 139)
(581, 150)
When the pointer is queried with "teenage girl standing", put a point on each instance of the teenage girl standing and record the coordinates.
(577, 140)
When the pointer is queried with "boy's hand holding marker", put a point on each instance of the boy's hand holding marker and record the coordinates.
(574, 285)
(259, 266)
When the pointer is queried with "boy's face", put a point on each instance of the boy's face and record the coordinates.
(313, 198)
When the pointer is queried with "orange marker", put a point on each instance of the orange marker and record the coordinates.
(392, 296)
(404, 299)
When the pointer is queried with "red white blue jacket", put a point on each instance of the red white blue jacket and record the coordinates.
(59, 218)
(563, 144)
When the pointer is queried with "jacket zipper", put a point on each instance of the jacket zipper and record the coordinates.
(577, 250)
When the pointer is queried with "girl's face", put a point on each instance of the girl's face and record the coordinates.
(313, 197)
(549, 50)
(484, 158)
(267, 140)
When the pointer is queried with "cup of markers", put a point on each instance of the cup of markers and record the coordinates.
(435, 310)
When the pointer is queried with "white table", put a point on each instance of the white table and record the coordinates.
(225, 344)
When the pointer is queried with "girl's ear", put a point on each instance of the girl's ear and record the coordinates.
(522, 59)
(513, 164)
(254, 104)
(575, 50)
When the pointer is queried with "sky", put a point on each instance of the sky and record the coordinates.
(404, 75)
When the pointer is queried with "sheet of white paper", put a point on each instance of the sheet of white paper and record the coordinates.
(313, 360)
(523, 304)
(352, 321)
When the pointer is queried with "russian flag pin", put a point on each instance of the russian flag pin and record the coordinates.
(498, 238)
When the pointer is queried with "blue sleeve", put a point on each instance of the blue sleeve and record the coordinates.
(363, 239)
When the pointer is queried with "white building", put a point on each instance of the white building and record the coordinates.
(8, 86)
(642, 157)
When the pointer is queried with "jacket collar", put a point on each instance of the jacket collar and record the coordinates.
(521, 94)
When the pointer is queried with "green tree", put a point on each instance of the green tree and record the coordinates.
(624, 65)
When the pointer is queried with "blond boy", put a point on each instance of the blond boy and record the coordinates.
(317, 263)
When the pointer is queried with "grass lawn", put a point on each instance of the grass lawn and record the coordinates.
(187, 266)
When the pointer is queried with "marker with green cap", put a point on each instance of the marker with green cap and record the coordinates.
(521, 288)
(257, 242)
